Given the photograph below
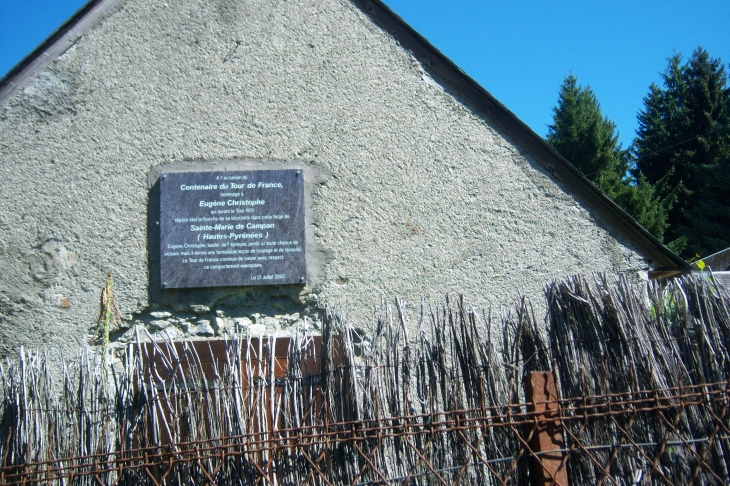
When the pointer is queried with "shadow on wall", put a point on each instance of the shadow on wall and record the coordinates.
(154, 289)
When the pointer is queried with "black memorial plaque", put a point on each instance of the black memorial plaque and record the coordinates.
(232, 228)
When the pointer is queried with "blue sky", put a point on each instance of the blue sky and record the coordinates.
(519, 51)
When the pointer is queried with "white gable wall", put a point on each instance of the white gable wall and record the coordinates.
(424, 196)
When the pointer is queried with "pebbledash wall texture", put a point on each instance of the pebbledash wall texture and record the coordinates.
(413, 191)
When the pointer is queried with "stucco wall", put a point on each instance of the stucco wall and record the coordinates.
(423, 196)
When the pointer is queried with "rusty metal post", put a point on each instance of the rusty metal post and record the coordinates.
(548, 468)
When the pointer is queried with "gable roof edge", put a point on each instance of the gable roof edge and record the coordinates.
(54, 46)
(557, 165)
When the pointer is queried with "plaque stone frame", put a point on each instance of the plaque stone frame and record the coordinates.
(228, 228)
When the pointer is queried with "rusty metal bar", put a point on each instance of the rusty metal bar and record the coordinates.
(541, 395)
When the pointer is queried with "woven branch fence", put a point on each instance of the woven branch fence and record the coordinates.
(642, 398)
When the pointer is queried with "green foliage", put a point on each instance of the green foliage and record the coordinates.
(708, 221)
(683, 148)
(638, 198)
(580, 133)
(589, 140)
(678, 245)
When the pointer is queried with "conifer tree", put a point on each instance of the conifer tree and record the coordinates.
(683, 148)
(709, 218)
(581, 134)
